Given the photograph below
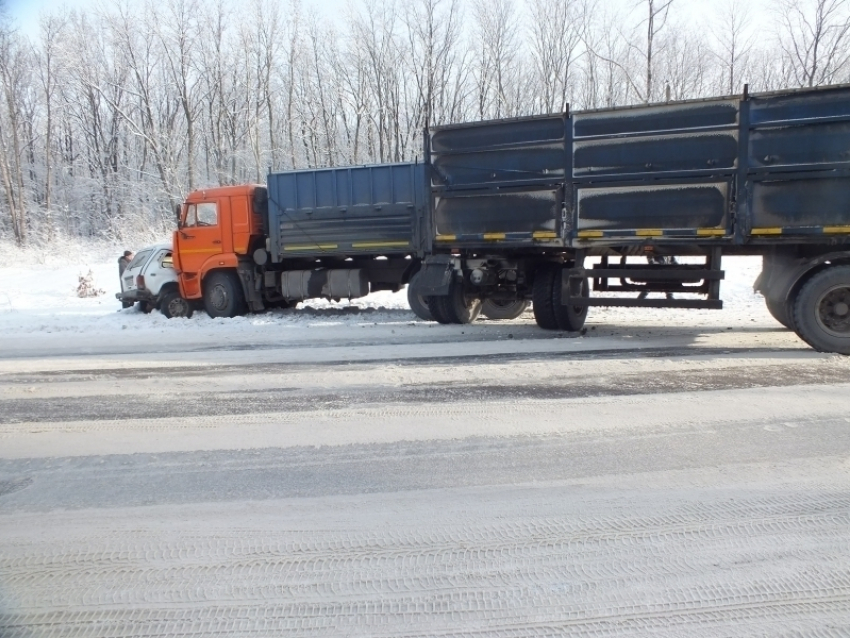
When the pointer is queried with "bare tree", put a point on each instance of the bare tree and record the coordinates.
(15, 81)
(556, 38)
(814, 38)
(497, 45)
(733, 40)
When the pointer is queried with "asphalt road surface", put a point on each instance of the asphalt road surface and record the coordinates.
(460, 481)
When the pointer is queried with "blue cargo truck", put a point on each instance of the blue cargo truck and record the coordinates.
(335, 233)
(517, 207)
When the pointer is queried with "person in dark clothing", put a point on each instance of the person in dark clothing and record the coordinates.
(124, 261)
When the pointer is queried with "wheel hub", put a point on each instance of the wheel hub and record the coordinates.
(834, 311)
(177, 308)
(219, 297)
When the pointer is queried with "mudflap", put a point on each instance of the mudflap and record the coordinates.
(436, 275)
(251, 287)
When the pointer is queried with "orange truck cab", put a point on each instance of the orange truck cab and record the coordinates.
(217, 230)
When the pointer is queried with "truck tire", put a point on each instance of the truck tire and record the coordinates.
(145, 307)
(779, 310)
(223, 296)
(495, 309)
(418, 303)
(455, 307)
(541, 297)
(570, 318)
(822, 310)
(173, 305)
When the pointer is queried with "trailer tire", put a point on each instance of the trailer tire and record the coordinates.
(437, 307)
(822, 310)
(541, 297)
(223, 295)
(780, 311)
(455, 307)
(496, 309)
(418, 304)
(173, 305)
(570, 318)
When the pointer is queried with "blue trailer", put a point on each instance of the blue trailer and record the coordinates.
(518, 206)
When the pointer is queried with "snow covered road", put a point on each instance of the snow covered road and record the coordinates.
(357, 473)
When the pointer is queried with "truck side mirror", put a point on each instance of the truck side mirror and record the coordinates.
(177, 211)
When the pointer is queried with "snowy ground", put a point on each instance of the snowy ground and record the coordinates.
(38, 303)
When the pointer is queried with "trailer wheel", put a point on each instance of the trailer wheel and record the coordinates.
(418, 304)
(456, 307)
(541, 297)
(223, 296)
(779, 310)
(496, 309)
(173, 305)
(822, 310)
(569, 318)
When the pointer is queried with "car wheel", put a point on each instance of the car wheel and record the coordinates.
(173, 305)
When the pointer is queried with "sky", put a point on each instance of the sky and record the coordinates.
(26, 12)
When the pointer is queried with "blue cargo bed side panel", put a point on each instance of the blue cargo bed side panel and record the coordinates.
(346, 211)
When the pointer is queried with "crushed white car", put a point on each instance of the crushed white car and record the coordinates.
(151, 281)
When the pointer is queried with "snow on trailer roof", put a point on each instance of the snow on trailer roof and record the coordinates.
(627, 108)
(341, 168)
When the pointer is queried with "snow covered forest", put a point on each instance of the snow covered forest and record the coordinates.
(109, 116)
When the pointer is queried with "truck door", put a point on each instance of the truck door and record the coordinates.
(198, 240)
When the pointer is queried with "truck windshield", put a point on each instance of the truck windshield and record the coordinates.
(205, 214)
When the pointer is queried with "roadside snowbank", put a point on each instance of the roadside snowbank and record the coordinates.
(41, 298)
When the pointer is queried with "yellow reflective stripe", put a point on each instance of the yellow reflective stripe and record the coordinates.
(836, 229)
(587, 234)
(649, 232)
(446, 237)
(711, 231)
(311, 247)
(494, 236)
(766, 231)
(544, 234)
(380, 244)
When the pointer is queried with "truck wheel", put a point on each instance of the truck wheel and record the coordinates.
(822, 310)
(438, 309)
(418, 303)
(779, 311)
(569, 318)
(173, 305)
(541, 297)
(496, 309)
(455, 307)
(223, 296)
(146, 307)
